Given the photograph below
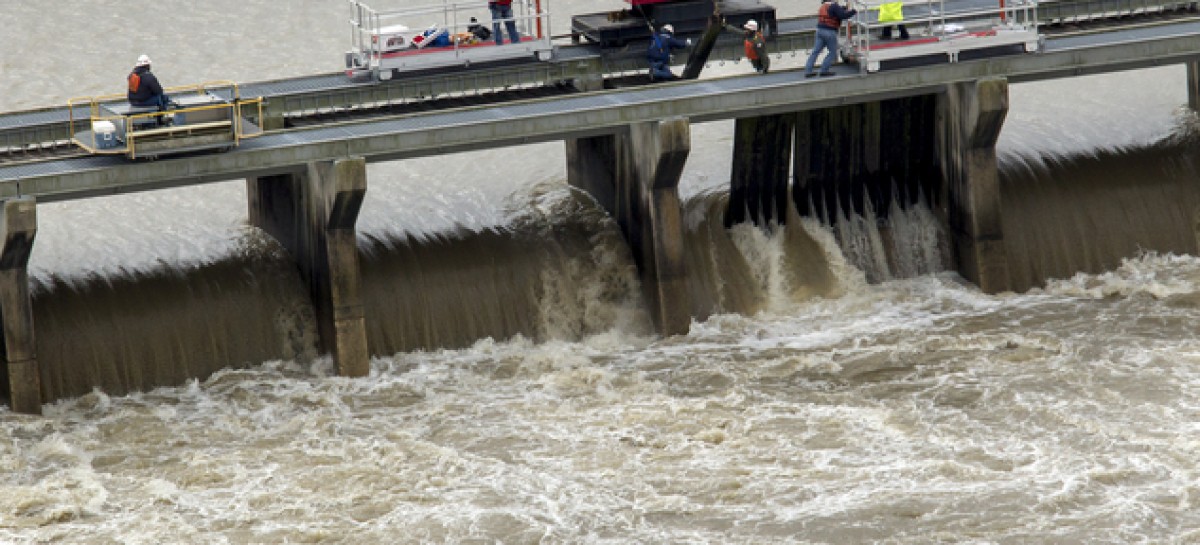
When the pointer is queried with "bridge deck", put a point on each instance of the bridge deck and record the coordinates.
(1056, 11)
(593, 113)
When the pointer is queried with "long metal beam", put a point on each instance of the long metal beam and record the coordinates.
(574, 116)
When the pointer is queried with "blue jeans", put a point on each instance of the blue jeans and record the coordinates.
(826, 39)
(160, 101)
(660, 71)
(503, 12)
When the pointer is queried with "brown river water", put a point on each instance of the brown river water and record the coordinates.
(827, 394)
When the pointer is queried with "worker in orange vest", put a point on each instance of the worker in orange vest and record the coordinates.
(144, 89)
(829, 19)
(755, 44)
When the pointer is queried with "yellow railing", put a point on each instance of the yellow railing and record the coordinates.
(129, 122)
(256, 103)
(132, 130)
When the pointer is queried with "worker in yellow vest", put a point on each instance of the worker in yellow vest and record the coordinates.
(892, 12)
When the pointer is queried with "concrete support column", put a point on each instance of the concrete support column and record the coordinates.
(636, 178)
(1193, 85)
(762, 157)
(592, 167)
(970, 116)
(21, 380)
(313, 213)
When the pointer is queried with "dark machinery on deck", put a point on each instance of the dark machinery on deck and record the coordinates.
(617, 28)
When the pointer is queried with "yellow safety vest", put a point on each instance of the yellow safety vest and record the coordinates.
(891, 12)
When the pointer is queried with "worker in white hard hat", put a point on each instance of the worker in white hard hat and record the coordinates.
(659, 54)
(755, 45)
(144, 89)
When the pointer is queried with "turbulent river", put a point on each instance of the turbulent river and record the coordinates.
(830, 391)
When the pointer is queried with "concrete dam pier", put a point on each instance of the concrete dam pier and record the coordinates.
(312, 213)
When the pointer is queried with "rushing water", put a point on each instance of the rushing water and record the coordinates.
(837, 386)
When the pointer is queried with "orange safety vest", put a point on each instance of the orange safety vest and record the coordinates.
(751, 44)
(135, 81)
(824, 18)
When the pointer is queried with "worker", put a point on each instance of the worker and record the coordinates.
(829, 19)
(144, 89)
(892, 12)
(502, 11)
(756, 46)
(659, 54)
(480, 32)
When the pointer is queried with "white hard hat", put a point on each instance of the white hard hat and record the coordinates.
(668, 29)
(751, 25)
(143, 60)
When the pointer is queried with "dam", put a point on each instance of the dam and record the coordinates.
(627, 148)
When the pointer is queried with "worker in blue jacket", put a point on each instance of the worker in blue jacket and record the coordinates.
(144, 89)
(659, 54)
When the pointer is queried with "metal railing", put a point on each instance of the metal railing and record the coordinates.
(130, 125)
(370, 27)
(934, 30)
